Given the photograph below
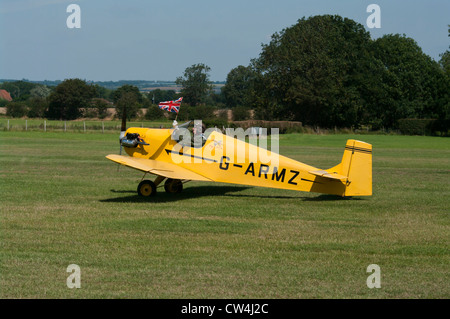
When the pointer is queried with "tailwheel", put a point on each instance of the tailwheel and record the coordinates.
(146, 188)
(173, 185)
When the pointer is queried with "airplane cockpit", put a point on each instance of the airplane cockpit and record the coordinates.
(195, 138)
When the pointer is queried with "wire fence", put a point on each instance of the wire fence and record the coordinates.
(71, 126)
(99, 126)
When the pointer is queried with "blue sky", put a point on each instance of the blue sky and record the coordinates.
(158, 39)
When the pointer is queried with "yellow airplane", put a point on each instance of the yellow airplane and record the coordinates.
(226, 159)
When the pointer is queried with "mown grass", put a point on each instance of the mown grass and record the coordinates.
(62, 202)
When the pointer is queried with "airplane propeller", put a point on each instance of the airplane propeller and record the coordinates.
(123, 127)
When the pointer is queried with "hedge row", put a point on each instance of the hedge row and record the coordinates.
(425, 127)
(283, 126)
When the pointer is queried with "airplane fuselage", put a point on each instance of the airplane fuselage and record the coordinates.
(229, 160)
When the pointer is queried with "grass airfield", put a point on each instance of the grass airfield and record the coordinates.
(63, 202)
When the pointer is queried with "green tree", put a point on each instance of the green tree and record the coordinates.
(239, 88)
(101, 107)
(134, 90)
(154, 113)
(130, 97)
(19, 90)
(68, 98)
(315, 72)
(445, 65)
(130, 101)
(216, 99)
(37, 107)
(414, 83)
(196, 84)
(159, 95)
(16, 109)
(12, 88)
(445, 62)
(41, 91)
(103, 92)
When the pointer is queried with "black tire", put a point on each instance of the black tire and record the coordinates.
(146, 188)
(173, 186)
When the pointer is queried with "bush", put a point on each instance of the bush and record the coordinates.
(90, 113)
(101, 107)
(38, 107)
(16, 109)
(283, 126)
(219, 123)
(424, 127)
(240, 113)
(440, 127)
(68, 98)
(200, 112)
(154, 113)
(414, 126)
(222, 114)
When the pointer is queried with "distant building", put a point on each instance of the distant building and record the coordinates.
(4, 95)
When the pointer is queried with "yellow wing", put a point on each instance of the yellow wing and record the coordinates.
(157, 167)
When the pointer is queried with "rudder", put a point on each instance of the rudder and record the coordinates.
(356, 164)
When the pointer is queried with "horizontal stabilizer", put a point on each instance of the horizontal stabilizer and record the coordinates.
(326, 174)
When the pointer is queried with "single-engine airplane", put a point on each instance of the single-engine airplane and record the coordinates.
(219, 159)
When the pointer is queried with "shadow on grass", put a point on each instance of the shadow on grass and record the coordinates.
(162, 197)
(326, 197)
(122, 192)
(319, 198)
(204, 191)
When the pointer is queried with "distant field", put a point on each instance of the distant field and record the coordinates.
(163, 88)
(63, 203)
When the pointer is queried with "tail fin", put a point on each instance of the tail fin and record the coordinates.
(357, 166)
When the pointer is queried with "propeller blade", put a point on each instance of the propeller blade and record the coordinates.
(185, 125)
(123, 127)
(124, 119)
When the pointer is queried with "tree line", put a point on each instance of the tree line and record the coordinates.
(323, 71)
(327, 71)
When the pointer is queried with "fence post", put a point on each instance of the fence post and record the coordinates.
(103, 127)
(84, 126)
(8, 126)
(45, 126)
(26, 125)
(65, 126)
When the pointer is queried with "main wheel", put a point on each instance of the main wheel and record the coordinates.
(146, 188)
(173, 185)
